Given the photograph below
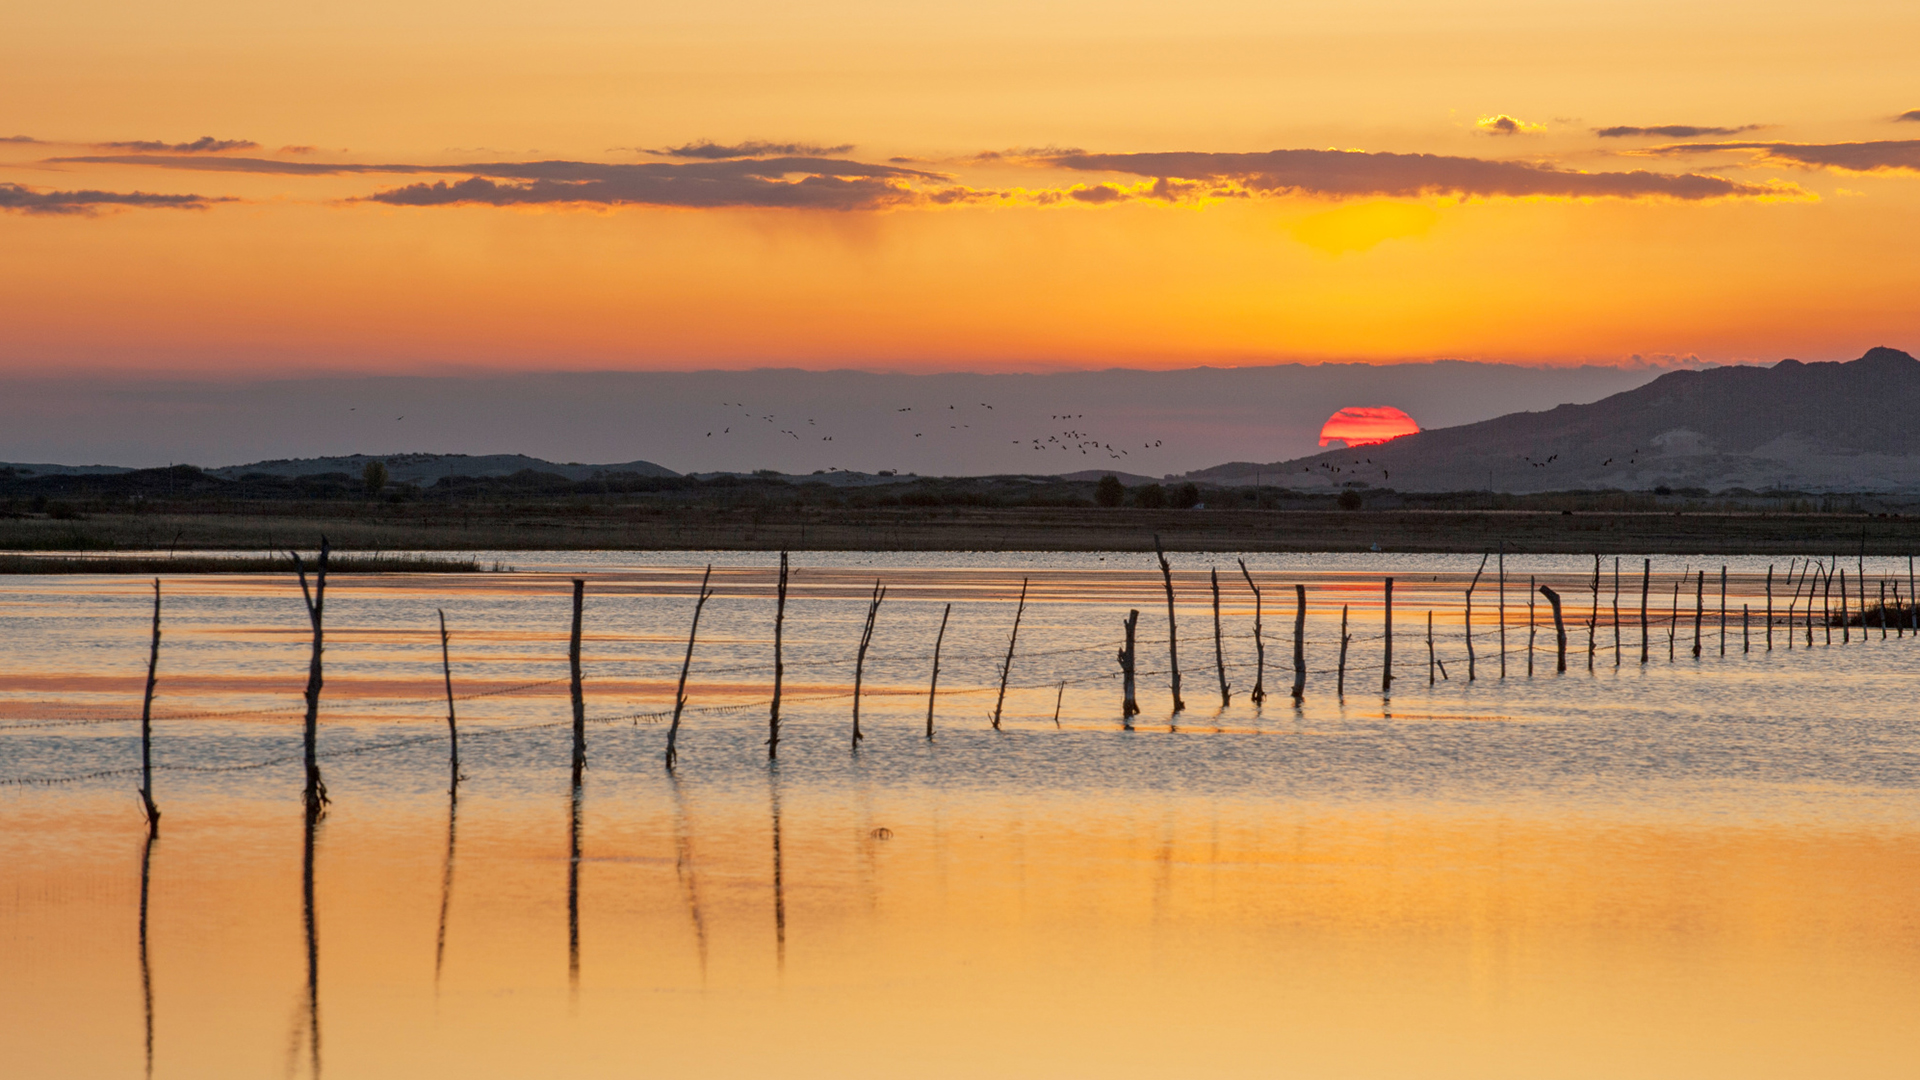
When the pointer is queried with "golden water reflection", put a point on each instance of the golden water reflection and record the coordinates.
(1004, 933)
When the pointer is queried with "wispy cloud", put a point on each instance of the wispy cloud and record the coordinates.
(21, 139)
(706, 150)
(205, 144)
(1356, 173)
(1910, 114)
(786, 182)
(1673, 131)
(1887, 155)
(25, 200)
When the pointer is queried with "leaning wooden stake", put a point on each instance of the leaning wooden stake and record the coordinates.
(686, 665)
(316, 793)
(1340, 687)
(146, 722)
(1469, 615)
(1173, 632)
(1006, 666)
(1129, 705)
(1826, 604)
(1746, 630)
(860, 658)
(1299, 643)
(1386, 663)
(1219, 649)
(1699, 607)
(1057, 699)
(1559, 626)
(1673, 617)
(933, 684)
(1259, 644)
(453, 726)
(779, 662)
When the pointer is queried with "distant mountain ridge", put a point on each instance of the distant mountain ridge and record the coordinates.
(1794, 426)
(422, 469)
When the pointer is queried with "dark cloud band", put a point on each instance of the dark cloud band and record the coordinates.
(1673, 131)
(712, 151)
(205, 144)
(1353, 173)
(25, 200)
(1881, 156)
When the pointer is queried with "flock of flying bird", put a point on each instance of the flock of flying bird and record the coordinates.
(1068, 439)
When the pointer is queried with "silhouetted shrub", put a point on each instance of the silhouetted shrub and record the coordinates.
(1109, 491)
(1150, 496)
(1184, 497)
(1349, 500)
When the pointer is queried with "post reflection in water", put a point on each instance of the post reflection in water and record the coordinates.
(779, 883)
(446, 880)
(312, 824)
(146, 970)
(684, 867)
(573, 870)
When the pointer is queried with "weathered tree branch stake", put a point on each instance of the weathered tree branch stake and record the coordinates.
(1340, 688)
(1386, 663)
(1173, 632)
(860, 658)
(779, 662)
(146, 732)
(1469, 615)
(1299, 643)
(1129, 705)
(686, 664)
(453, 726)
(316, 599)
(1219, 649)
(1559, 626)
(1006, 666)
(1259, 694)
(933, 684)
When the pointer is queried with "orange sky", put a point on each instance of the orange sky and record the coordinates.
(498, 207)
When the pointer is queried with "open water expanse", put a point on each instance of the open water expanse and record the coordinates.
(1689, 867)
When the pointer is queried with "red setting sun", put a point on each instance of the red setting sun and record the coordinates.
(1364, 425)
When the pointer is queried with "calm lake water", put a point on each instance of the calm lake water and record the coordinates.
(1696, 867)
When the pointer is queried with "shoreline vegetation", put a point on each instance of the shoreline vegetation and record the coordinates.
(231, 564)
(184, 509)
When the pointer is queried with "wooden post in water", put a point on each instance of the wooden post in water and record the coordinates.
(1699, 607)
(1646, 582)
(1340, 687)
(1593, 613)
(1006, 666)
(1793, 602)
(1057, 699)
(579, 697)
(1503, 608)
(1173, 631)
(933, 684)
(1533, 624)
(680, 693)
(1846, 628)
(779, 662)
(146, 734)
(1219, 650)
(1259, 644)
(1826, 604)
(316, 599)
(453, 726)
(1883, 613)
(1559, 627)
(1899, 618)
(1129, 707)
(1469, 615)
(1673, 618)
(1616, 611)
(1770, 606)
(1746, 635)
(860, 660)
(1430, 647)
(1723, 609)
(1386, 664)
(1299, 643)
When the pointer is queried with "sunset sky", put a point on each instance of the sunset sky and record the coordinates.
(406, 187)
